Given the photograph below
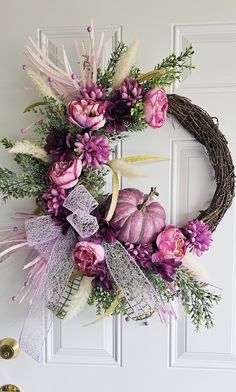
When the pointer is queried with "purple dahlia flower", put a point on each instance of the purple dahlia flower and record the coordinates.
(199, 236)
(94, 150)
(130, 91)
(92, 91)
(53, 199)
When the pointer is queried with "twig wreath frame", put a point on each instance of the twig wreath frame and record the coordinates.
(205, 130)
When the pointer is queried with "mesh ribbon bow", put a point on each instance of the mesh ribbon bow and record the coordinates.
(55, 247)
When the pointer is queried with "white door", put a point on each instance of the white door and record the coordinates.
(115, 355)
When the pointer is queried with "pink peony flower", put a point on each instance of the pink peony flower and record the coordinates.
(171, 243)
(65, 174)
(94, 150)
(155, 107)
(88, 257)
(87, 113)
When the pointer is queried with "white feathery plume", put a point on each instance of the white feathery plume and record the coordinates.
(195, 267)
(79, 300)
(40, 83)
(26, 147)
(125, 169)
(125, 63)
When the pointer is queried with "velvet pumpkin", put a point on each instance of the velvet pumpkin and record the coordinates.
(138, 219)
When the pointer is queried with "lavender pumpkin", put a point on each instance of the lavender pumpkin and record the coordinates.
(138, 219)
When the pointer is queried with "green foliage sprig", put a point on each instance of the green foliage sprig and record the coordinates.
(54, 115)
(93, 180)
(26, 184)
(31, 180)
(196, 298)
(106, 78)
(174, 67)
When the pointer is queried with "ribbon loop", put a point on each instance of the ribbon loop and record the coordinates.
(81, 203)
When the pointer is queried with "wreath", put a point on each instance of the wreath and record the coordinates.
(115, 251)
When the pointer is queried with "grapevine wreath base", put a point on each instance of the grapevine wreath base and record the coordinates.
(116, 251)
(202, 126)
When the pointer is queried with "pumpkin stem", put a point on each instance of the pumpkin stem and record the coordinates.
(147, 198)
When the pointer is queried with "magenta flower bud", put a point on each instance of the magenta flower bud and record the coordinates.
(24, 130)
(89, 29)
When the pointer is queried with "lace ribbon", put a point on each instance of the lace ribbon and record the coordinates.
(47, 238)
(137, 289)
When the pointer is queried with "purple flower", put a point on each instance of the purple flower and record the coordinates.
(92, 91)
(130, 91)
(104, 281)
(171, 243)
(144, 256)
(164, 267)
(117, 113)
(155, 107)
(58, 142)
(94, 150)
(54, 198)
(87, 113)
(141, 253)
(88, 257)
(199, 236)
(65, 174)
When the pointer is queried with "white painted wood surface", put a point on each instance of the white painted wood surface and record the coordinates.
(114, 355)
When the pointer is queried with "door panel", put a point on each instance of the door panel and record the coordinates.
(114, 354)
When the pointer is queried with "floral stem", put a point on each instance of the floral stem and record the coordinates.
(147, 198)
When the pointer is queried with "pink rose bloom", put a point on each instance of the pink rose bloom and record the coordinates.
(87, 113)
(171, 243)
(155, 107)
(65, 174)
(88, 256)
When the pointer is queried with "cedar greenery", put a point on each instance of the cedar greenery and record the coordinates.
(173, 67)
(195, 296)
(105, 79)
(31, 180)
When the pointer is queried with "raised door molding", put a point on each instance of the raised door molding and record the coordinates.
(213, 76)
